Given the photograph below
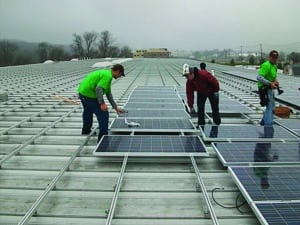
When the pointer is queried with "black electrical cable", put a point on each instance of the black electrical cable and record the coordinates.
(239, 206)
(236, 206)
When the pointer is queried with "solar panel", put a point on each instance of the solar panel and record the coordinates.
(155, 100)
(292, 124)
(154, 88)
(280, 213)
(152, 105)
(242, 153)
(174, 124)
(150, 113)
(154, 95)
(154, 145)
(261, 183)
(249, 132)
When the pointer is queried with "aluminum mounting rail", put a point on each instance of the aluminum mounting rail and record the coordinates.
(116, 193)
(204, 191)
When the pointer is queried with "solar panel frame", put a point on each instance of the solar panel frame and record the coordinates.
(171, 141)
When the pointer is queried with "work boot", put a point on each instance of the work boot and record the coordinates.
(85, 131)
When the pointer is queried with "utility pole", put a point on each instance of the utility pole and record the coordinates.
(241, 53)
(260, 45)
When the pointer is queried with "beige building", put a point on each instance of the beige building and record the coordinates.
(152, 53)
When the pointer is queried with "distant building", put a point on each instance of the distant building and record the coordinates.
(139, 53)
(152, 53)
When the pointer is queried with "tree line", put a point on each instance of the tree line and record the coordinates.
(226, 57)
(88, 45)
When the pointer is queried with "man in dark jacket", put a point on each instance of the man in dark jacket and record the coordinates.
(207, 86)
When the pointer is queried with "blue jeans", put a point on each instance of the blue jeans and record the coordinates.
(268, 113)
(90, 107)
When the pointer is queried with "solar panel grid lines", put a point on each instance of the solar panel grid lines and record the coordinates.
(258, 153)
(157, 113)
(269, 183)
(279, 213)
(291, 124)
(173, 124)
(247, 132)
(152, 145)
(153, 105)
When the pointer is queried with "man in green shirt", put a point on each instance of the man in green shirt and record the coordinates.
(91, 91)
(267, 82)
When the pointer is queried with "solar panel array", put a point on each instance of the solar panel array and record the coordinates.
(246, 132)
(48, 174)
(273, 192)
(264, 162)
(156, 120)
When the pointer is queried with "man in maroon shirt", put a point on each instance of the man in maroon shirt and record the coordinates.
(207, 86)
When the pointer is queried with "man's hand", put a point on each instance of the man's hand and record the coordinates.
(192, 110)
(274, 84)
(103, 107)
(119, 110)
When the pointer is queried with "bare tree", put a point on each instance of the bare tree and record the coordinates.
(125, 52)
(43, 51)
(105, 44)
(7, 53)
(77, 45)
(89, 39)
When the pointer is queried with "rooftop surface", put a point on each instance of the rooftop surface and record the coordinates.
(50, 175)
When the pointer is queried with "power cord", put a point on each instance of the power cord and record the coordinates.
(236, 206)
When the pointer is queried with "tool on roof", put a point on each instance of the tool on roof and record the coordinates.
(129, 124)
(64, 99)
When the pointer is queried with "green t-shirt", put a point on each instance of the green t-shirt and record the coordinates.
(101, 78)
(268, 71)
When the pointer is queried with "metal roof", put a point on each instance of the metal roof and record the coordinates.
(49, 174)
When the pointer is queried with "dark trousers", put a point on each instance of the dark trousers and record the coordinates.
(90, 107)
(214, 103)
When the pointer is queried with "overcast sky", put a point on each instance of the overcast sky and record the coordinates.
(174, 24)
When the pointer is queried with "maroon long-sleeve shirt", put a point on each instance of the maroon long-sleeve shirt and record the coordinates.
(204, 83)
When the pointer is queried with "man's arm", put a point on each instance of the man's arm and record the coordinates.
(263, 80)
(99, 93)
(111, 100)
(190, 95)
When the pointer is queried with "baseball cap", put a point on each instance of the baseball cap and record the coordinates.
(186, 70)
